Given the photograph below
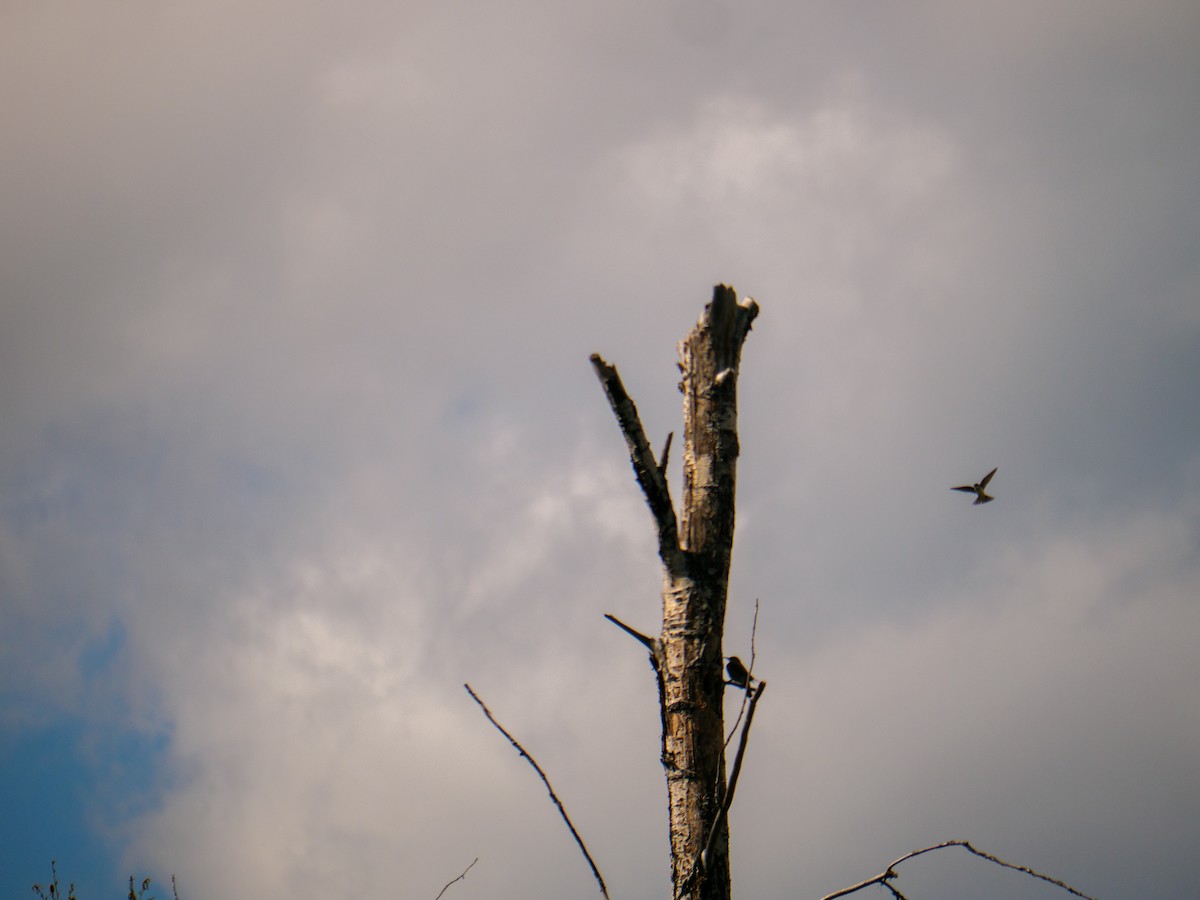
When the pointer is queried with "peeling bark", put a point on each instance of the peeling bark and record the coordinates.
(695, 550)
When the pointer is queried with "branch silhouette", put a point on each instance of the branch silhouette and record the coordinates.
(461, 877)
(887, 875)
(546, 781)
(650, 472)
(727, 799)
(652, 644)
(749, 676)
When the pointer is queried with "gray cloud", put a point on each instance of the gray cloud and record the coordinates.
(293, 337)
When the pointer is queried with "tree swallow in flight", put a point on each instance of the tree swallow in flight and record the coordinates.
(978, 489)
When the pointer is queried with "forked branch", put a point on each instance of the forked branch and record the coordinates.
(889, 874)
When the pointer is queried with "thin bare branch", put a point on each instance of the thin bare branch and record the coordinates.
(665, 456)
(1035, 874)
(650, 476)
(546, 781)
(652, 644)
(461, 877)
(737, 766)
(754, 637)
(885, 877)
(749, 677)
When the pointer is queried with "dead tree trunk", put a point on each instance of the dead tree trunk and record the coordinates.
(695, 550)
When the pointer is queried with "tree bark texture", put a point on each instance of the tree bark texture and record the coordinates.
(695, 551)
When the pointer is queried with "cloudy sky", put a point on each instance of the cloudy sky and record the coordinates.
(300, 434)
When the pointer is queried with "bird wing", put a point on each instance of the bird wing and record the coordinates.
(988, 477)
(964, 487)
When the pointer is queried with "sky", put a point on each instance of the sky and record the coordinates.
(300, 435)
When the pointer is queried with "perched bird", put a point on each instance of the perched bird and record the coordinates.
(737, 673)
(978, 489)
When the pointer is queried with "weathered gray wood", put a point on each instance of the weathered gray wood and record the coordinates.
(695, 551)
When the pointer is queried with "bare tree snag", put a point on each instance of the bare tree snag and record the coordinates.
(695, 549)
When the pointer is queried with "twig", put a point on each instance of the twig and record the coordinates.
(727, 800)
(546, 781)
(737, 770)
(652, 644)
(665, 455)
(461, 877)
(749, 677)
(55, 889)
(650, 475)
(889, 873)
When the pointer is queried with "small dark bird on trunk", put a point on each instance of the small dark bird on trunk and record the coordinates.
(738, 676)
